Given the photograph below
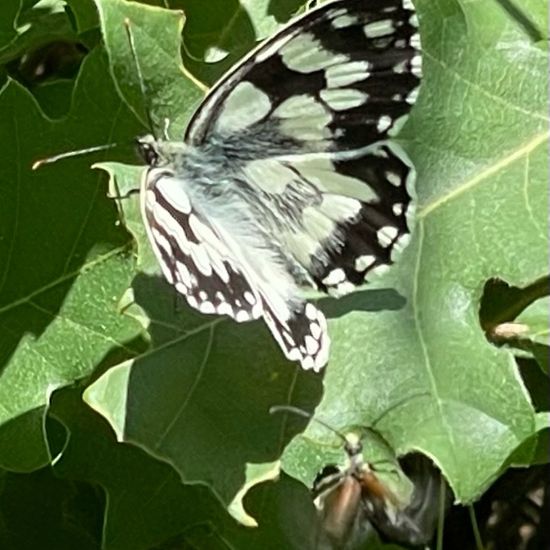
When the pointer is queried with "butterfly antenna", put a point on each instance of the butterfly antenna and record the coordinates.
(142, 87)
(78, 152)
(305, 414)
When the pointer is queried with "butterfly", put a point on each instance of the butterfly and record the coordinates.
(286, 177)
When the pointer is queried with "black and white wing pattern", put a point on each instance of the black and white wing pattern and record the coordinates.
(287, 175)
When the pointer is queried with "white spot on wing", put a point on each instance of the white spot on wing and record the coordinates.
(174, 194)
(172, 227)
(160, 241)
(400, 244)
(344, 21)
(184, 275)
(294, 354)
(200, 257)
(181, 288)
(304, 118)
(311, 312)
(269, 175)
(343, 288)
(242, 316)
(339, 208)
(393, 178)
(322, 173)
(386, 235)
(225, 309)
(335, 277)
(344, 74)
(341, 99)
(207, 307)
(337, 13)
(364, 262)
(288, 338)
(397, 209)
(384, 122)
(307, 362)
(380, 269)
(317, 224)
(315, 330)
(304, 54)
(378, 28)
(397, 125)
(416, 65)
(244, 106)
(411, 96)
(400, 67)
(415, 41)
(299, 105)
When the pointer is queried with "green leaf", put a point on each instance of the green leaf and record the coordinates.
(156, 34)
(424, 374)
(409, 355)
(217, 34)
(64, 262)
(8, 15)
(32, 28)
(536, 318)
(39, 510)
(147, 504)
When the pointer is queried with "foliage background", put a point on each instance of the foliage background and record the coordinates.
(128, 422)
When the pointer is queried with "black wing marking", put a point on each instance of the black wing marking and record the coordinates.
(368, 233)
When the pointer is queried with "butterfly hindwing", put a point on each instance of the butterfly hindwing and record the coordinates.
(192, 257)
(204, 267)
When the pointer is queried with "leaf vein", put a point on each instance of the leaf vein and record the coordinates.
(532, 216)
(422, 342)
(482, 90)
(86, 328)
(191, 392)
(484, 174)
(63, 278)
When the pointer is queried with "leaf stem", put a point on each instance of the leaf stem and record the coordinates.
(475, 528)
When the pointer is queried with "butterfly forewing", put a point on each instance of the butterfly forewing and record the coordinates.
(286, 176)
(342, 75)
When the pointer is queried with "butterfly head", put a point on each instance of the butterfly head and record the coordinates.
(148, 148)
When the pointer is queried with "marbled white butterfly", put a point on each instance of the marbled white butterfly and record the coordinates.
(285, 176)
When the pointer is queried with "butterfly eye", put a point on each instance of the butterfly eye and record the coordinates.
(148, 152)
